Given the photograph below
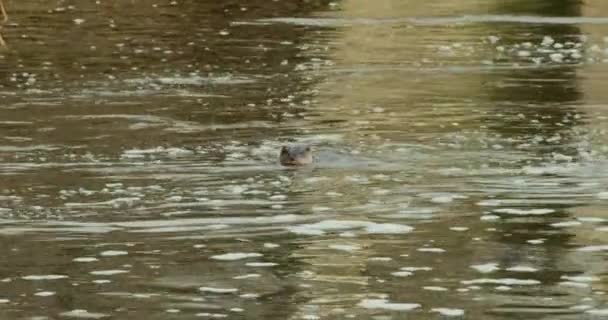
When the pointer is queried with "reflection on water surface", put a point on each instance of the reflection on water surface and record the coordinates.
(460, 160)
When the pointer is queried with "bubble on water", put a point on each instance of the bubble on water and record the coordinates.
(111, 253)
(45, 293)
(79, 21)
(44, 277)
(522, 269)
(547, 41)
(101, 281)
(503, 281)
(249, 295)
(536, 241)
(261, 264)
(172, 310)
(593, 248)
(236, 256)
(449, 312)
(85, 259)
(591, 219)
(414, 269)
(442, 199)
(566, 224)
(598, 312)
(218, 290)
(402, 273)
(486, 268)
(573, 284)
(489, 217)
(602, 195)
(580, 278)
(108, 272)
(322, 227)
(556, 57)
(83, 314)
(211, 315)
(524, 212)
(459, 229)
(503, 288)
(490, 203)
(384, 259)
(344, 247)
(247, 276)
(386, 305)
(278, 197)
(434, 288)
(493, 39)
(434, 250)
(271, 245)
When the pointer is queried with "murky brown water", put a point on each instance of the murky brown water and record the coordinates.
(461, 160)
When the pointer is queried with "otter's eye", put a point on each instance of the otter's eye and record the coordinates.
(283, 150)
(307, 149)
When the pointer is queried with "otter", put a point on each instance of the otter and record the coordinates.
(296, 155)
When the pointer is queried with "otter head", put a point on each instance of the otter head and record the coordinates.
(298, 155)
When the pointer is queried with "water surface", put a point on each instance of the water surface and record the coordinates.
(461, 160)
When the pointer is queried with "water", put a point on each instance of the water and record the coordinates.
(461, 160)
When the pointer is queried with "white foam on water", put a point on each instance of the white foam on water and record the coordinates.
(261, 264)
(591, 219)
(573, 284)
(236, 256)
(442, 199)
(522, 269)
(85, 259)
(322, 227)
(344, 247)
(536, 241)
(83, 314)
(247, 276)
(486, 268)
(402, 273)
(101, 281)
(503, 281)
(112, 253)
(434, 288)
(522, 212)
(44, 293)
(489, 217)
(211, 315)
(566, 224)
(580, 278)
(490, 203)
(434, 250)
(593, 248)
(413, 269)
(108, 272)
(386, 305)
(44, 277)
(271, 245)
(449, 312)
(218, 290)
(459, 229)
(598, 312)
(380, 259)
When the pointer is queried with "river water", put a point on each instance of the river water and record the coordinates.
(461, 163)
